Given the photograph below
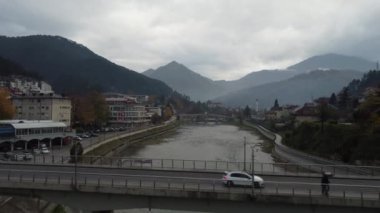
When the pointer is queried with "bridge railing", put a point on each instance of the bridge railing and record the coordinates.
(26, 179)
(203, 165)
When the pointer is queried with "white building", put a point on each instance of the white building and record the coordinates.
(125, 110)
(43, 107)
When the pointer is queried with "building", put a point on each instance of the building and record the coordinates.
(126, 110)
(280, 113)
(24, 85)
(39, 106)
(309, 112)
(27, 134)
(153, 110)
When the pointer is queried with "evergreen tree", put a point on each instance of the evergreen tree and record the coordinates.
(247, 112)
(332, 100)
(344, 99)
(276, 106)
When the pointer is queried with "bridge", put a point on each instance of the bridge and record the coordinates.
(123, 183)
(203, 118)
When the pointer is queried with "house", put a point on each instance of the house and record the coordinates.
(307, 113)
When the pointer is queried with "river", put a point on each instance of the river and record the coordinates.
(201, 142)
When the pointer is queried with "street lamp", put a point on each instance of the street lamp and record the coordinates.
(245, 144)
(75, 163)
(253, 167)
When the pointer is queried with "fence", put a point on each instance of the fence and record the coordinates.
(359, 193)
(339, 171)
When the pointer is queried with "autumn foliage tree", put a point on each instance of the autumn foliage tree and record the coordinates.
(7, 111)
(90, 109)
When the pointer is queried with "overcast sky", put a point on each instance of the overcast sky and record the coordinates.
(220, 39)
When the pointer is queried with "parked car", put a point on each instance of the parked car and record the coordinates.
(45, 150)
(77, 138)
(42, 145)
(37, 151)
(18, 157)
(84, 136)
(8, 155)
(27, 155)
(240, 178)
(92, 134)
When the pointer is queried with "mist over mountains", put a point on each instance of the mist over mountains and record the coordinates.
(316, 76)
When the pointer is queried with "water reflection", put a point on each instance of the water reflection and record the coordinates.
(203, 142)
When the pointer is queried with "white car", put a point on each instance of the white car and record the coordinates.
(77, 138)
(239, 178)
(45, 150)
(37, 151)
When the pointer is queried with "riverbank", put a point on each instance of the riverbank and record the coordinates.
(112, 146)
(306, 160)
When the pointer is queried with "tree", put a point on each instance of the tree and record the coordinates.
(155, 119)
(76, 152)
(344, 99)
(276, 106)
(83, 111)
(332, 99)
(90, 109)
(7, 110)
(100, 107)
(247, 112)
(323, 114)
(167, 112)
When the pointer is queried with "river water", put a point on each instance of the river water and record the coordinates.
(201, 142)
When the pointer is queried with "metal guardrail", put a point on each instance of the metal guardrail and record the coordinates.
(347, 192)
(340, 171)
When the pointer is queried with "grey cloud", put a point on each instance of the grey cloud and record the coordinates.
(220, 39)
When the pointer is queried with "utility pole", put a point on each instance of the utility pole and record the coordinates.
(253, 171)
(245, 144)
(75, 164)
(253, 168)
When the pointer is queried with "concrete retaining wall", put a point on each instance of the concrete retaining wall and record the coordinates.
(112, 145)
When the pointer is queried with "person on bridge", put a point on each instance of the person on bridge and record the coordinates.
(325, 184)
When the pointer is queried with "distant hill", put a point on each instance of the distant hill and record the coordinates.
(9, 68)
(296, 90)
(334, 62)
(255, 79)
(185, 81)
(72, 68)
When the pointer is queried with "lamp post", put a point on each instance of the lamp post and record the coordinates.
(253, 167)
(245, 144)
(75, 163)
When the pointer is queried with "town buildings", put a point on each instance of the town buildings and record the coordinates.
(18, 85)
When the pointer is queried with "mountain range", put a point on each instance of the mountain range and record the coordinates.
(297, 90)
(233, 93)
(72, 68)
